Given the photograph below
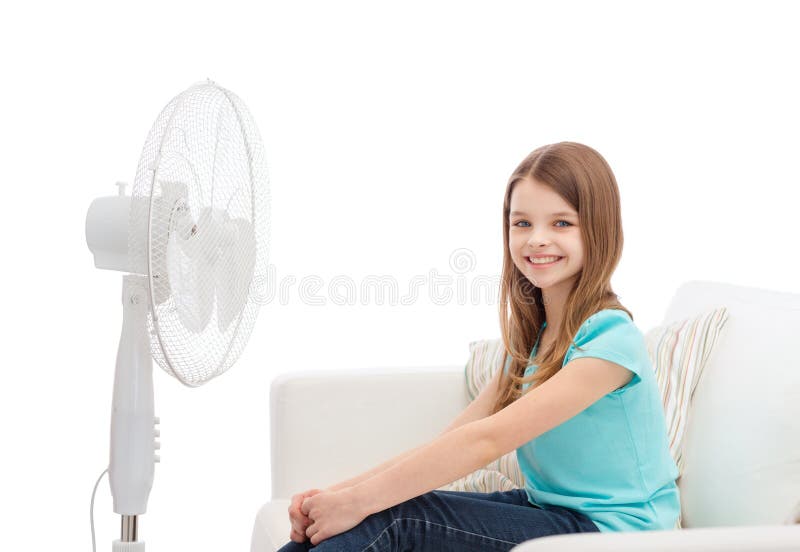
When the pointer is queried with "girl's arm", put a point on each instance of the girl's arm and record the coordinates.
(448, 457)
(367, 474)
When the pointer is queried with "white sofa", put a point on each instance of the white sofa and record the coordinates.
(740, 488)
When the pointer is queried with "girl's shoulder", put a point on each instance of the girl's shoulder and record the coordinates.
(609, 329)
(608, 315)
(608, 325)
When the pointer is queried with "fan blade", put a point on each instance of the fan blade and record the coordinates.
(234, 272)
(192, 287)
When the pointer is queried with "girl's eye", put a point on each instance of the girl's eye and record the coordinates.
(564, 221)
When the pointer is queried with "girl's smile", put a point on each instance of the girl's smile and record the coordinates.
(539, 264)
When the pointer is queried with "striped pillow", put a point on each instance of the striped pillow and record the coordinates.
(679, 353)
(503, 474)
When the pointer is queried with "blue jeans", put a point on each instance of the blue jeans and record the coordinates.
(441, 521)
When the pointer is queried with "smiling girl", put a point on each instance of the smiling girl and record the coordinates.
(577, 398)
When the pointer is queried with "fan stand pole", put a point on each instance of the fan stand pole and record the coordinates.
(132, 458)
(129, 530)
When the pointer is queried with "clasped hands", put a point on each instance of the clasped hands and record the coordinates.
(319, 515)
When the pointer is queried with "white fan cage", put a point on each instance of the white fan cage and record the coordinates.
(206, 140)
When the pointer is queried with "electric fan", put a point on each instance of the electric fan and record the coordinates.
(193, 237)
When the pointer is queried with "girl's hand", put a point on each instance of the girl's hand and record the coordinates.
(297, 518)
(331, 513)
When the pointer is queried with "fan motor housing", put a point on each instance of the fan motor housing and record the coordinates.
(107, 225)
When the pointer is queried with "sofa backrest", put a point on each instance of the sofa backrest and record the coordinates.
(327, 426)
(742, 442)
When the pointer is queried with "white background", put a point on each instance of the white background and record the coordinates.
(390, 130)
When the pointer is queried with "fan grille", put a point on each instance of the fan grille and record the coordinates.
(203, 155)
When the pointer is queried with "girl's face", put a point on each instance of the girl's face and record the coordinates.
(541, 222)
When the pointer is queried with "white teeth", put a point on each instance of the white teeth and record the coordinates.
(543, 260)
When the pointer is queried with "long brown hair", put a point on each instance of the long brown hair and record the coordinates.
(583, 178)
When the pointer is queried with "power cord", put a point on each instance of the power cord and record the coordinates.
(91, 507)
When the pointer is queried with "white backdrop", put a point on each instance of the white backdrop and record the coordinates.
(390, 129)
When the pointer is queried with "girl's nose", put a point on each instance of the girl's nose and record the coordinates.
(538, 239)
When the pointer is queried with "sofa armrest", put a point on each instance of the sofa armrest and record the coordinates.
(758, 538)
(328, 426)
(271, 529)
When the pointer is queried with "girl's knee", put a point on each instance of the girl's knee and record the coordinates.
(416, 506)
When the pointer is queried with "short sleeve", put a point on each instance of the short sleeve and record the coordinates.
(610, 335)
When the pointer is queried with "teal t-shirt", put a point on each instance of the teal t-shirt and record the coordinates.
(611, 461)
